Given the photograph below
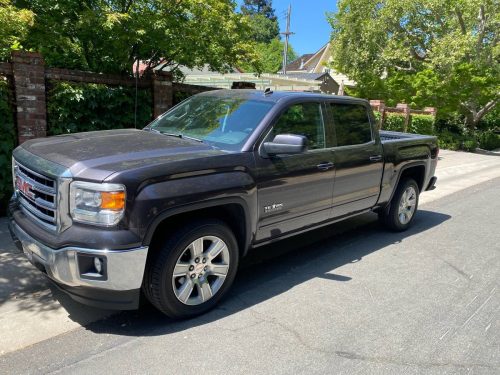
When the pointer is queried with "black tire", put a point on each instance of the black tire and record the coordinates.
(158, 285)
(391, 218)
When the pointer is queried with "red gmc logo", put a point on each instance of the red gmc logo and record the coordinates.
(24, 187)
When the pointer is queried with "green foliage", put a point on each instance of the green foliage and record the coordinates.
(489, 140)
(262, 7)
(76, 107)
(14, 27)
(421, 124)
(449, 141)
(7, 143)
(443, 54)
(109, 35)
(270, 56)
(263, 29)
(394, 122)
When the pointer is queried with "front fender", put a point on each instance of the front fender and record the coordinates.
(161, 200)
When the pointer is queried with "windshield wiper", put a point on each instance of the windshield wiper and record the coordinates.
(177, 135)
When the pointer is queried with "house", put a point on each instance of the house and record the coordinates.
(317, 63)
(314, 82)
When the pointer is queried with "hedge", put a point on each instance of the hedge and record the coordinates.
(7, 143)
(394, 122)
(80, 107)
(421, 124)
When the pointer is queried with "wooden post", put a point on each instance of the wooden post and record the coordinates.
(379, 106)
(28, 69)
(406, 110)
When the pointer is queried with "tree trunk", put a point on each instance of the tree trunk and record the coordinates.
(475, 115)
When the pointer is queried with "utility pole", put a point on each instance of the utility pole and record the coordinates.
(287, 34)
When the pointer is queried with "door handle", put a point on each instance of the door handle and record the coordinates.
(376, 158)
(325, 166)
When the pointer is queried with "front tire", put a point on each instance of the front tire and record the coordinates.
(403, 206)
(192, 270)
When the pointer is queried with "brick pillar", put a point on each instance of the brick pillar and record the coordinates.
(163, 97)
(407, 112)
(29, 85)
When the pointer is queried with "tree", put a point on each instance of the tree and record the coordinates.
(270, 56)
(263, 29)
(262, 7)
(262, 20)
(439, 53)
(14, 27)
(110, 35)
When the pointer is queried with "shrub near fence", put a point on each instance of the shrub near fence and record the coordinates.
(419, 124)
(7, 143)
(80, 107)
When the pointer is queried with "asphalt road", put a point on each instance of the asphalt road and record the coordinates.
(348, 299)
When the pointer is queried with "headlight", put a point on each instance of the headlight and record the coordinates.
(102, 204)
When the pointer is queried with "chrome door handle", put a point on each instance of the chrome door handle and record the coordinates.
(325, 166)
(376, 158)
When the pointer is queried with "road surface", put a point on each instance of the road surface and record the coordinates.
(350, 298)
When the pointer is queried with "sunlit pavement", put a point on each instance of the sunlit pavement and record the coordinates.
(349, 298)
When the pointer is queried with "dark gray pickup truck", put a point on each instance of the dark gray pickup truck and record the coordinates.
(168, 211)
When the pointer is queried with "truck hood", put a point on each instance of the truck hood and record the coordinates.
(97, 155)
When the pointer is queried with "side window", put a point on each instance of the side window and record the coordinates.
(303, 119)
(352, 124)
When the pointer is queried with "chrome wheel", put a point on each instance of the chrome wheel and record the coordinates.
(201, 270)
(407, 205)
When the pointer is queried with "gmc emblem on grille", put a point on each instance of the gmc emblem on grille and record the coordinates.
(25, 188)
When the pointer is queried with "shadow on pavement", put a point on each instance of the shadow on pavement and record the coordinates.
(292, 261)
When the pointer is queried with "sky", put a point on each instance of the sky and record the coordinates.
(308, 22)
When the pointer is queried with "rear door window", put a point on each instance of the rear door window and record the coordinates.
(352, 124)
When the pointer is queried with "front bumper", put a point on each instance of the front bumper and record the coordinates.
(118, 287)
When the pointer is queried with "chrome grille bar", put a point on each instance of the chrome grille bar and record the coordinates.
(37, 195)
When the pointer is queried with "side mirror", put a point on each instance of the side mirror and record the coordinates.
(286, 144)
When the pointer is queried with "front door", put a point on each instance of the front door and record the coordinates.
(295, 191)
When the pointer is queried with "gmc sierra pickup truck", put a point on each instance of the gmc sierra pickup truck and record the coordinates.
(168, 211)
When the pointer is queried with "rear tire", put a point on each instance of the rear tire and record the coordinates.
(403, 206)
(190, 271)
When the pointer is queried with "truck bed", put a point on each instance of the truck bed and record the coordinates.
(390, 136)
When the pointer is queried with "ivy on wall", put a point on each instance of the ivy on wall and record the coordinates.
(80, 107)
(7, 143)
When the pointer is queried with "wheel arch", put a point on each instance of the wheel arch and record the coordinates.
(232, 211)
(414, 170)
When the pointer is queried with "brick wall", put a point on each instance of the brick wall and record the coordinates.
(29, 75)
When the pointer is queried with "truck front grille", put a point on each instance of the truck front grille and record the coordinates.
(37, 195)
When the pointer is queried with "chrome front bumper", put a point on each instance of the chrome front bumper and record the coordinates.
(124, 268)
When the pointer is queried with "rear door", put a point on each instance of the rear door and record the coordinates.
(358, 158)
(295, 191)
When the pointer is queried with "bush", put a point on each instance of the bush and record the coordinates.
(489, 140)
(394, 122)
(7, 143)
(79, 107)
(422, 124)
(449, 141)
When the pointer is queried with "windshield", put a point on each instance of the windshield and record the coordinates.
(223, 122)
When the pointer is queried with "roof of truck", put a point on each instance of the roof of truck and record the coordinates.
(274, 96)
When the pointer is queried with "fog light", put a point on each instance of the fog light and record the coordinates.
(98, 265)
